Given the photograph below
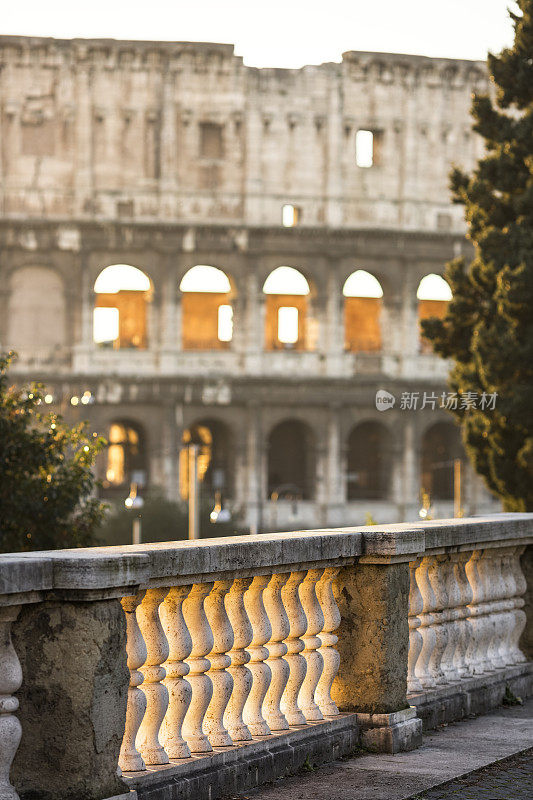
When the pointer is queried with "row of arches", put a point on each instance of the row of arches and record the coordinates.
(122, 294)
(123, 291)
(290, 459)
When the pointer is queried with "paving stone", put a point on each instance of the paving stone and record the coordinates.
(511, 779)
(450, 752)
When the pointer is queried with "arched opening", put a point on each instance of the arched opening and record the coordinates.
(215, 459)
(120, 310)
(433, 295)
(125, 457)
(207, 312)
(291, 461)
(286, 309)
(441, 445)
(36, 312)
(369, 462)
(362, 309)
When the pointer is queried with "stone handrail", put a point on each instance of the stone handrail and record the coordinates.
(228, 640)
(466, 601)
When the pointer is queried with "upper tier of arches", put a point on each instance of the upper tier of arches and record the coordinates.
(210, 308)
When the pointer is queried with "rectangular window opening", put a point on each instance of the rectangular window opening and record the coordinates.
(364, 149)
(290, 215)
(211, 142)
(225, 323)
(105, 325)
(368, 148)
(288, 324)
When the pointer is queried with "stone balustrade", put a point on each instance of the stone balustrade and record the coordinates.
(466, 613)
(190, 669)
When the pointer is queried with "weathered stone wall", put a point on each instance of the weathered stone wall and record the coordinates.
(72, 700)
(164, 155)
(184, 130)
(373, 601)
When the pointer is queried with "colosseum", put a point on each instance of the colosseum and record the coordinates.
(197, 251)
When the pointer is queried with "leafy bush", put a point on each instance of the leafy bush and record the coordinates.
(46, 481)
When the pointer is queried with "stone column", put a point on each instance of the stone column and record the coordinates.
(405, 488)
(334, 476)
(83, 164)
(334, 329)
(254, 320)
(169, 145)
(84, 347)
(321, 496)
(72, 699)
(373, 600)
(170, 320)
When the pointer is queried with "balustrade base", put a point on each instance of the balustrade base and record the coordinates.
(477, 695)
(235, 769)
(391, 733)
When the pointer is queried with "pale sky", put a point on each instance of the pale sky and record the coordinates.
(278, 33)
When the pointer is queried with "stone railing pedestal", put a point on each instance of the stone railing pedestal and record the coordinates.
(391, 733)
(373, 600)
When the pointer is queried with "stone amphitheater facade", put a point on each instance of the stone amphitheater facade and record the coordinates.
(168, 155)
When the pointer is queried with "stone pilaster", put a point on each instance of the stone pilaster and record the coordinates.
(72, 700)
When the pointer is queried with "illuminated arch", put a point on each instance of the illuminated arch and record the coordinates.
(121, 277)
(286, 280)
(434, 287)
(433, 295)
(125, 456)
(362, 284)
(203, 278)
(286, 309)
(215, 458)
(120, 310)
(206, 309)
(369, 460)
(440, 446)
(362, 310)
(291, 461)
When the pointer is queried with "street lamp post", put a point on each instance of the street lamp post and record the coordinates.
(135, 502)
(194, 491)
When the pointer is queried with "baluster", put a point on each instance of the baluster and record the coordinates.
(520, 618)
(510, 592)
(154, 674)
(416, 605)
(202, 688)
(330, 655)
(242, 677)
(130, 759)
(10, 681)
(450, 614)
(476, 653)
(297, 663)
(277, 648)
(426, 629)
(465, 598)
(315, 665)
(497, 611)
(261, 675)
(435, 573)
(179, 690)
(220, 677)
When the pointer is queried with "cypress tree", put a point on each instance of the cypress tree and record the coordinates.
(488, 329)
